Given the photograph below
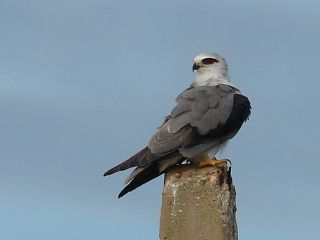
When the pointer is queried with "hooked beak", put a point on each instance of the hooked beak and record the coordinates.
(195, 67)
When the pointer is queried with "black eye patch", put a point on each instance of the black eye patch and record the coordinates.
(208, 61)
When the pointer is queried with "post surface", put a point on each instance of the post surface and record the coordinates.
(198, 204)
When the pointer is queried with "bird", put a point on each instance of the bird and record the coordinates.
(206, 116)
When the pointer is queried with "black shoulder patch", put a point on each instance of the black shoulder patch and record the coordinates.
(240, 113)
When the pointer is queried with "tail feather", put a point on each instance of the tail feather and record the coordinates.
(143, 177)
(131, 162)
(149, 166)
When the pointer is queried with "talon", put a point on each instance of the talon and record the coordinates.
(228, 160)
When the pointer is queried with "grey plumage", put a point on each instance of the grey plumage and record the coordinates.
(207, 107)
(204, 118)
(198, 109)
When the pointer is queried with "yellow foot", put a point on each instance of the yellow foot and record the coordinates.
(213, 162)
(204, 160)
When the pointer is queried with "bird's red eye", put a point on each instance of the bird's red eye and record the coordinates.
(208, 61)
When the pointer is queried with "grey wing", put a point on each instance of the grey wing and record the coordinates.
(198, 111)
(203, 118)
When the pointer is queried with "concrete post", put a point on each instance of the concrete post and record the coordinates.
(198, 204)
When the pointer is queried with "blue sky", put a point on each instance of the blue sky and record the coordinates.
(83, 85)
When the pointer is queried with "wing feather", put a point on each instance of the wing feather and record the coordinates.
(203, 108)
(203, 118)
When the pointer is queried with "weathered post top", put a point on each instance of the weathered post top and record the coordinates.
(198, 204)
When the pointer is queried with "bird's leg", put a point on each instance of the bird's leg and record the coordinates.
(204, 160)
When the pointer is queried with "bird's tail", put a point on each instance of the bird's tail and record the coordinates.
(149, 166)
(131, 162)
(143, 177)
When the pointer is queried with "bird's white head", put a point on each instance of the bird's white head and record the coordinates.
(211, 69)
